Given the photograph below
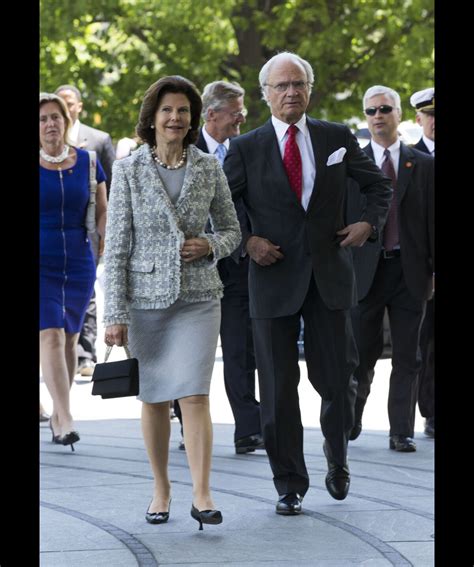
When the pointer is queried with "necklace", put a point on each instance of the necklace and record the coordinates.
(55, 159)
(180, 163)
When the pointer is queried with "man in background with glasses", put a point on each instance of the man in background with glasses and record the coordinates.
(292, 174)
(396, 271)
(223, 112)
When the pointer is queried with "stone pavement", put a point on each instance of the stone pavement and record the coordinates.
(93, 503)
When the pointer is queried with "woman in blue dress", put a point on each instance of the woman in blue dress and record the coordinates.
(67, 268)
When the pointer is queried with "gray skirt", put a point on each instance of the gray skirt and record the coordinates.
(175, 348)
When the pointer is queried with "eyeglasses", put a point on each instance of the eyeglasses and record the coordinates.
(384, 109)
(283, 87)
(239, 114)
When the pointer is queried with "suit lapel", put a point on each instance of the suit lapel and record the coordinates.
(406, 163)
(271, 150)
(405, 168)
(82, 139)
(201, 142)
(319, 142)
(273, 162)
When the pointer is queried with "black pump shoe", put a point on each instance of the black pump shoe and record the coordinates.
(69, 439)
(206, 516)
(158, 517)
(54, 438)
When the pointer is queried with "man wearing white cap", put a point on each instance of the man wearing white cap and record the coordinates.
(423, 102)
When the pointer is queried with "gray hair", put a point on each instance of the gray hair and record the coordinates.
(284, 56)
(217, 94)
(72, 88)
(50, 97)
(381, 90)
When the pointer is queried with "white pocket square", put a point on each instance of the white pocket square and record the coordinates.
(336, 157)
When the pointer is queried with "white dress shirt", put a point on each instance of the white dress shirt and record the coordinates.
(303, 139)
(212, 143)
(394, 150)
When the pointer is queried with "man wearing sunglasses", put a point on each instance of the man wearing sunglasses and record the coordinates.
(291, 174)
(424, 103)
(396, 271)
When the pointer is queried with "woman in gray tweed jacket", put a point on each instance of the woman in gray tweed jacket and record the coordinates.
(162, 287)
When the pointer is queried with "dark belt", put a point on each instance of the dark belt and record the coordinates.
(388, 254)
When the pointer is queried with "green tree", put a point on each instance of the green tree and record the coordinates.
(114, 49)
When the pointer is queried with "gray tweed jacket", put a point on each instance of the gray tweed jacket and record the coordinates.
(145, 233)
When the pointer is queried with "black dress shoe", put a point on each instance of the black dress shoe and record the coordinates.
(181, 445)
(338, 478)
(430, 427)
(289, 504)
(158, 517)
(402, 443)
(249, 444)
(355, 431)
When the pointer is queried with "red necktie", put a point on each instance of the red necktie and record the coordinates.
(390, 234)
(292, 162)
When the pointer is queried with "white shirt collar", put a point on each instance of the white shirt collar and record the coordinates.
(394, 150)
(211, 142)
(429, 144)
(282, 127)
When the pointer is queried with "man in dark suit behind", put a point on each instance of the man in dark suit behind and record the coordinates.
(223, 112)
(292, 174)
(88, 138)
(424, 103)
(396, 271)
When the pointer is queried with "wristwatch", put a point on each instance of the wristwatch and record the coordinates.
(374, 234)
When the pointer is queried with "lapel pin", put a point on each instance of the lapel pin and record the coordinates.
(408, 164)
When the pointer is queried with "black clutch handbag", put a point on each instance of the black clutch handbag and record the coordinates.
(116, 379)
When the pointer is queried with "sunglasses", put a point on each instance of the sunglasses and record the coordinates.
(384, 109)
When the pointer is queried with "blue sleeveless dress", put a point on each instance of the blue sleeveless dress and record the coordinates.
(67, 268)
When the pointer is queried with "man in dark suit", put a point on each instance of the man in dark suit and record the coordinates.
(291, 174)
(223, 112)
(396, 271)
(423, 102)
(88, 138)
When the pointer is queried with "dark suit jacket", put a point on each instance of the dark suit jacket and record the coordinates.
(255, 172)
(415, 197)
(241, 215)
(421, 146)
(92, 139)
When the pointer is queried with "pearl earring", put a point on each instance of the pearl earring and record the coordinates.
(152, 126)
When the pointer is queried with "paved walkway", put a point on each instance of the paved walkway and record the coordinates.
(93, 501)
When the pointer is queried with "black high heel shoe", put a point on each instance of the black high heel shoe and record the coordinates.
(55, 438)
(158, 517)
(206, 516)
(69, 439)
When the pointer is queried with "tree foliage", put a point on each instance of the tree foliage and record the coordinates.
(112, 50)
